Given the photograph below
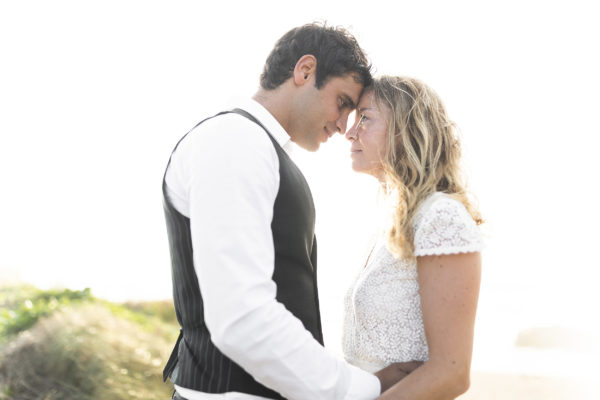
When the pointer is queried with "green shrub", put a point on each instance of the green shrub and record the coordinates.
(21, 307)
(85, 352)
(66, 344)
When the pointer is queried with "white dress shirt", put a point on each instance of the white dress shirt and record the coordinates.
(224, 176)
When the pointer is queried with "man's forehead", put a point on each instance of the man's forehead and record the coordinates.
(348, 79)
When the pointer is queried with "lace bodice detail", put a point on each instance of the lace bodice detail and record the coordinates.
(382, 319)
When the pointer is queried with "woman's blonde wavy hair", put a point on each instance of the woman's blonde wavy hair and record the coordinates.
(422, 155)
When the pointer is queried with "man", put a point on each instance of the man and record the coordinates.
(240, 219)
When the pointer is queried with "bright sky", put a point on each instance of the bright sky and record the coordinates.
(93, 98)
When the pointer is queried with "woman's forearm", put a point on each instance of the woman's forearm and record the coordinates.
(431, 381)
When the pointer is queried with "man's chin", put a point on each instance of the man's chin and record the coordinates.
(312, 147)
(311, 144)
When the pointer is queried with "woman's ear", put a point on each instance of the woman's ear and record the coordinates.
(305, 69)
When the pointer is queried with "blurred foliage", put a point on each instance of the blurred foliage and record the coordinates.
(66, 344)
(162, 309)
(22, 306)
(140, 313)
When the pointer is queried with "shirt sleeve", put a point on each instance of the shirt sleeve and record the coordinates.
(446, 227)
(232, 184)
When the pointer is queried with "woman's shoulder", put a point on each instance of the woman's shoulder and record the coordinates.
(439, 202)
(444, 226)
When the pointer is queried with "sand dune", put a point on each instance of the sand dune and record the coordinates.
(498, 386)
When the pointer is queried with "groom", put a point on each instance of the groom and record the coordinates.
(240, 221)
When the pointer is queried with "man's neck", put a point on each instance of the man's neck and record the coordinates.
(276, 102)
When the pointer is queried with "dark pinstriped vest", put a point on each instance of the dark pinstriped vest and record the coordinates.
(195, 362)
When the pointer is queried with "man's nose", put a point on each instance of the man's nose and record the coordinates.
(341, 123)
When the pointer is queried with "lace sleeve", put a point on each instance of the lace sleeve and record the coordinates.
(446, 227)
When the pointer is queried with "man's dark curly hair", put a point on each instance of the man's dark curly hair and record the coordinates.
(336, 50)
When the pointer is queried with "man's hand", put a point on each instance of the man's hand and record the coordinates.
(393, 373)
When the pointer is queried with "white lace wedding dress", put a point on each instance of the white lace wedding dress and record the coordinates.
(382, 320)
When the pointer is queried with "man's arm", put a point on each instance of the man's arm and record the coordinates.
(232, 188)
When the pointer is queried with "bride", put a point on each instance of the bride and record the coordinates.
(417, 295)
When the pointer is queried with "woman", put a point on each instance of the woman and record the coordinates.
(417, 295)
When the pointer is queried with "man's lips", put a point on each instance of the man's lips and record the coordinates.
(328, 134)
(355, 151)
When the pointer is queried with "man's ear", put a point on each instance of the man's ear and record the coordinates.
(305, 69)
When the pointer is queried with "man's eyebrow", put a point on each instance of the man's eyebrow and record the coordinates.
(349, 101)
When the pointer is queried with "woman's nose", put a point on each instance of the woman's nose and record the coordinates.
(352, 133)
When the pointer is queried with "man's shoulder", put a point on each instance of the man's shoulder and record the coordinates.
(226, 119)
(231, 125)
(225, 131)
(224, 137)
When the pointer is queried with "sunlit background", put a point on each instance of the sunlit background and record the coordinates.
(94, 95)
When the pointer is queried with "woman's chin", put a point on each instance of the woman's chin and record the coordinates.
(357, 168)
(360, 169)
(375, 173)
